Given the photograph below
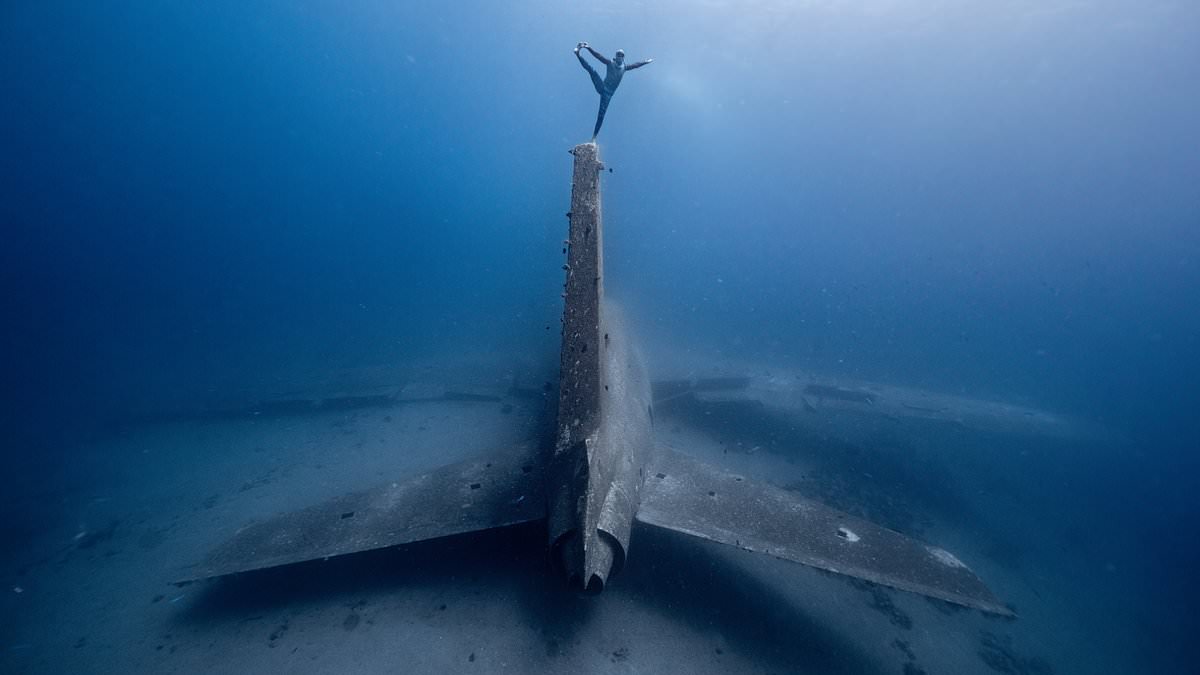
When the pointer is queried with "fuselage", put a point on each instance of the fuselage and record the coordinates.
(596, 475)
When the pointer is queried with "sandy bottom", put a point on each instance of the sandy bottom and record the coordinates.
(94, 545)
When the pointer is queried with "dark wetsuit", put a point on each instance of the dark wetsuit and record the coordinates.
(612, 78)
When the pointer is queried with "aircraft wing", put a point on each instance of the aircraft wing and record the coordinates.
(494, 491)
(839, 406)
(691, 497)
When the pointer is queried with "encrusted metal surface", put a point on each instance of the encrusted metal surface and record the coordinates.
(495, 491)
(684, 495)
(579, 374)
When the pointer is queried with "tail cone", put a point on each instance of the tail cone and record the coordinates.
(577, 562)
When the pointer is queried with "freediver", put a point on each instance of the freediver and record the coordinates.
(612, 78)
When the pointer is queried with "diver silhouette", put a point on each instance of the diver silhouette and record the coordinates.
(612, 77)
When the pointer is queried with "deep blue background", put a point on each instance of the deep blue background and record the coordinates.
(995, 198)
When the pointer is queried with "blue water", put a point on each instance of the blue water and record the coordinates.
(993, 199)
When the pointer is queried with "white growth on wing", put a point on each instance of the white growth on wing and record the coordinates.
(945, 557)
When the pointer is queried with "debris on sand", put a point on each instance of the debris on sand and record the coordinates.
(997, 652)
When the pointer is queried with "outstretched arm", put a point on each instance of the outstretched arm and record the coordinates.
(639, 64)
(599, 57)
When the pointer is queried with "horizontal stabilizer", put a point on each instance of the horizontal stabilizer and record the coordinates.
(466, 497)
(688, 496)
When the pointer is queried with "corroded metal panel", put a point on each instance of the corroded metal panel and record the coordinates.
(684, 495)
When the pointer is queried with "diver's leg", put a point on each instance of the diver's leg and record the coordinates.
(597, 81)
(600, 116)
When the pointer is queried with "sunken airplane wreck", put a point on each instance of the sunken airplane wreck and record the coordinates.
(603, 472)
